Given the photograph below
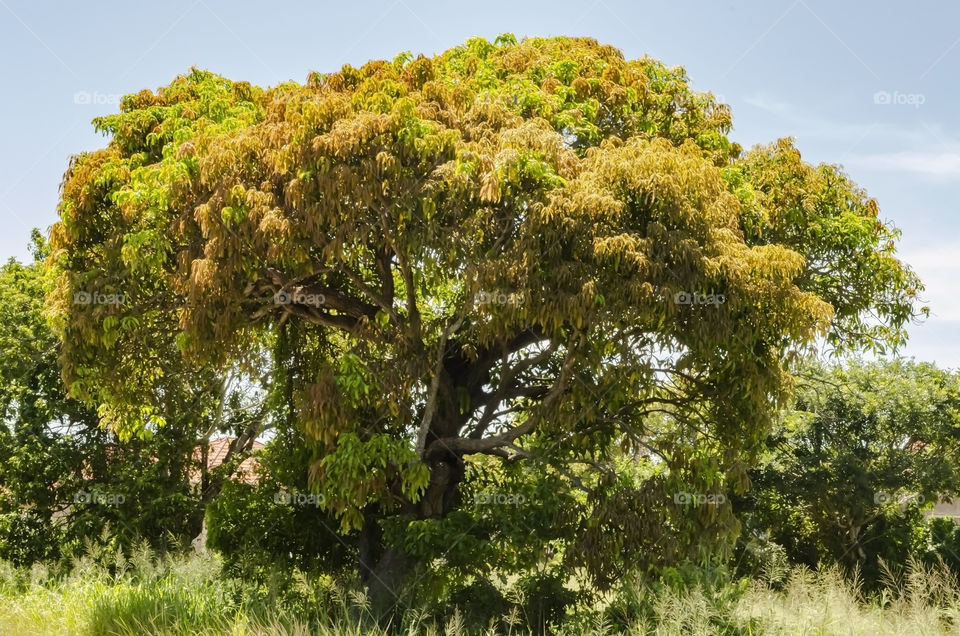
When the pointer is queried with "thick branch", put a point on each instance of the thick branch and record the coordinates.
(508, 376)
(346, 323)
(431, 406)
(386, 275)
(466, 446)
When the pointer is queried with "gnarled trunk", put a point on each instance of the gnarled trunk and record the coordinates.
(390, 579)
(389, 582)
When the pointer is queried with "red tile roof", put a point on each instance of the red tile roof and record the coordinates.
(217, 454)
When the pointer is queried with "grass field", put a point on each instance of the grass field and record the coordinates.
(145, 594)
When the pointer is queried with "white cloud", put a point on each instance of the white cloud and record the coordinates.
(939, 269)
(943, 165)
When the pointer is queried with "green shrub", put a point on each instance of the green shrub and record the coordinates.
(479, 602)
(25, 538)
(545, 598)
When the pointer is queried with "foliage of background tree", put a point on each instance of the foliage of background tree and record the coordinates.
(260, 536)
(54, 451)
(474, 254)
(867, 447)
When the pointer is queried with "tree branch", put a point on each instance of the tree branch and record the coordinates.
(431, 405)
(465, 446)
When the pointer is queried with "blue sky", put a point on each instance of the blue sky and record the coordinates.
(871, 86)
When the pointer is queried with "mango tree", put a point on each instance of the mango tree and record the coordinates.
(530, 251)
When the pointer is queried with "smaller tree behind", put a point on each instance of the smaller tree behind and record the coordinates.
(64, 479)
(850, 469)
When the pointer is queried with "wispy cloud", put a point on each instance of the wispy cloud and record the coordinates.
(939, 269)
(765, 102)
(804, 124)
(928, 153)
(942, 165)
(920, 150)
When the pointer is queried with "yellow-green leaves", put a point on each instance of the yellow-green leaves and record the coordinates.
(353, 377)
(849, 258)
(358, 472)
(542, 213)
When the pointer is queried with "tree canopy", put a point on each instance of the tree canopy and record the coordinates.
(538, 251)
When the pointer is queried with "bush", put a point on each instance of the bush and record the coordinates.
(256, 534)
(25, 538)
(480, 602)
(545, 598)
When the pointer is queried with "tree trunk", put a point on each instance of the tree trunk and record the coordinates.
(857, 554)
(391, 579)
(388, 587)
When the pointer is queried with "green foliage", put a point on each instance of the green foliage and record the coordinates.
(65, 478)
(545, 599)
(480, 602)
(820, 213)
(25, 538)
(122, 594)
(939, 543)
(849, 471)
(257, 535)
(480, 253)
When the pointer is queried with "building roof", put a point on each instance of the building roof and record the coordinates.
(217, 454)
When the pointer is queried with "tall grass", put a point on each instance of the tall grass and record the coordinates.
(189, 594)
(925, 601)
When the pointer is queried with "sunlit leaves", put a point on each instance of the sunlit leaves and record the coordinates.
(360, 471)
(531, 213)
(850, 258)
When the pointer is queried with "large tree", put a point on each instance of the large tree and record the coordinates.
(531, 251)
